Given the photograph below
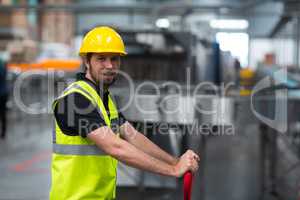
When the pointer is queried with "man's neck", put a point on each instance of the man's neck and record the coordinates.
(103, 87)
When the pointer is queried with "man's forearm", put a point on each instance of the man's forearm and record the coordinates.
(143, 143)
(146, 145)
(125, 152)
(134, 157)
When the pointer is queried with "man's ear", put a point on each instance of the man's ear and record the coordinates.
(86, 62)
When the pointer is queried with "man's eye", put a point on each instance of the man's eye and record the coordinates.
(101, 58)
(114, 59)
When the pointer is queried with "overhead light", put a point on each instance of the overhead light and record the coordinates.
(229, 24)
(162, 23)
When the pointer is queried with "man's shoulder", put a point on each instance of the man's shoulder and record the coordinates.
(73, 100)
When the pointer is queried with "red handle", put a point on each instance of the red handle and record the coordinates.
(187, 185)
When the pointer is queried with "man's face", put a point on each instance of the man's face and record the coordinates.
(103, 67)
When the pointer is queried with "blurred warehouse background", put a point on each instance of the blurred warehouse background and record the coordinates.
(238, 58)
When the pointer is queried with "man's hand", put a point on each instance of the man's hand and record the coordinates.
(187, 162)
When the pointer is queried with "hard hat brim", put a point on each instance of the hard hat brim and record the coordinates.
(120, 53)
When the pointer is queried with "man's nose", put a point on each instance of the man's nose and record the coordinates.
(108, 63)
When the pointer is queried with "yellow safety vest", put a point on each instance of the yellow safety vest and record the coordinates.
(80, 170)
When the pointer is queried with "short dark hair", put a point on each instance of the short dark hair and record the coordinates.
(89, 56)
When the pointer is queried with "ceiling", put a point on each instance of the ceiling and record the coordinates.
(266, 17)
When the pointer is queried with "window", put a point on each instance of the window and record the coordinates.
(236, 43)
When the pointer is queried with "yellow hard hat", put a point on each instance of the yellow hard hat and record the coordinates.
(246, 73)
(102, 39)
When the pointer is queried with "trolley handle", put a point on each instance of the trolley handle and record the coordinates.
(187, 185)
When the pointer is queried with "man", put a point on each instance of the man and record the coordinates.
(91, 135)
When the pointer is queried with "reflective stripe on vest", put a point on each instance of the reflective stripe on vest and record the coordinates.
(77, 149)
(85, 88)
(97, 99)
(75, 87)
(53, 132)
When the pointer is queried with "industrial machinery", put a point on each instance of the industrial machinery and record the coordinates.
(280, 158)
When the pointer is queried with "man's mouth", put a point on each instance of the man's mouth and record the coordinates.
(109, 74)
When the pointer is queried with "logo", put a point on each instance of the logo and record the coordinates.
(279, 122)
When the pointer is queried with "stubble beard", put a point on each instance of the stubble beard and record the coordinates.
(101, 83)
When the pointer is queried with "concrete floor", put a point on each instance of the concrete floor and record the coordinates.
(25, 159)
(231, 165)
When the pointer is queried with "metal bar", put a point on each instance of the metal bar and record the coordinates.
(282, 22)
(262, 162)
(297, 41)
(273, 159)
(78, 8)
(250, 4)
(177, 9)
